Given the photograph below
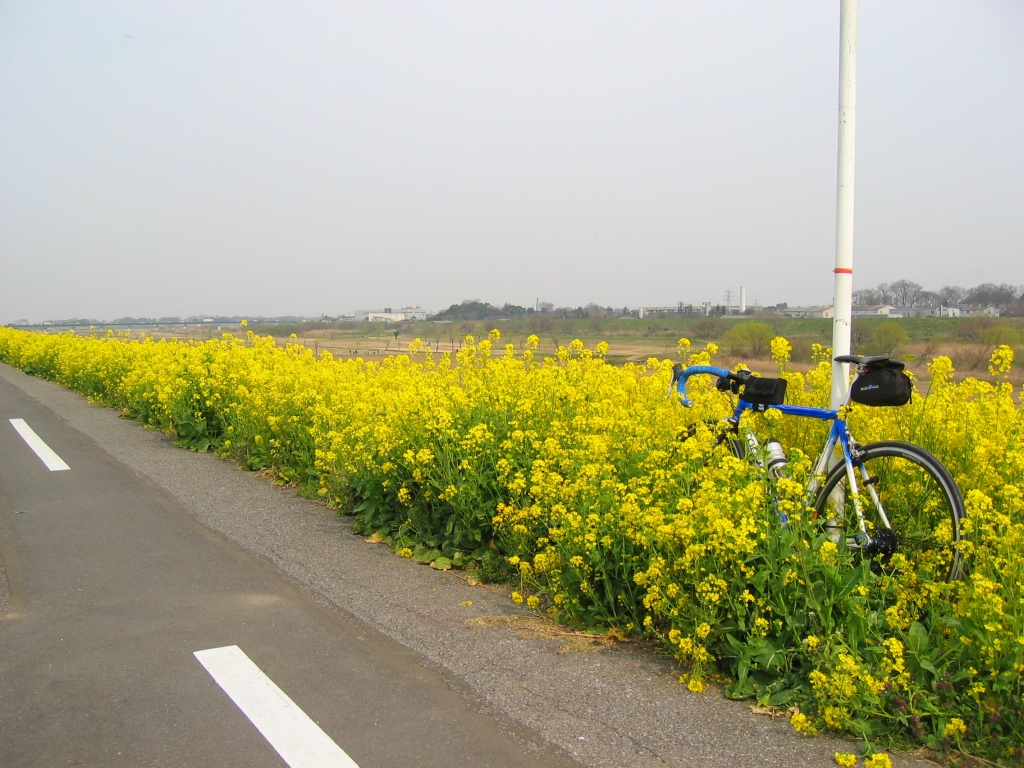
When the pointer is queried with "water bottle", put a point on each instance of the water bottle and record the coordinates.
(775, 459)
(753, 446)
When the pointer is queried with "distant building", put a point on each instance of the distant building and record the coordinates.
(873, 310)
(927, 311)
(658, 312)
(902, 312)
(807, 312)
(978, 310)
(681, 309)
(939, 311)
(387, 315)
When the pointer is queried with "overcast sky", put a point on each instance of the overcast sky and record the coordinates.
(305, 158)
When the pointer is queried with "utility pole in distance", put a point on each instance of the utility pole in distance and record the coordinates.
(842, 302)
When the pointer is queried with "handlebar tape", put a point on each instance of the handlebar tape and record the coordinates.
(693, 371)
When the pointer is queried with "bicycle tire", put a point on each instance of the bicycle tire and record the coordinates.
(920, 498)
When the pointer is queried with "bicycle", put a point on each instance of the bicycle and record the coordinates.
(913, 504)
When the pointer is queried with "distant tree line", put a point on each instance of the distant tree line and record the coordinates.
(474, 309)
(907, 293)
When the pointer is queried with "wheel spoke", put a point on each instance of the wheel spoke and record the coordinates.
(924, 513)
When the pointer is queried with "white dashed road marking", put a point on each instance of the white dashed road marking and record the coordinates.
(298, 740)
(53, 462)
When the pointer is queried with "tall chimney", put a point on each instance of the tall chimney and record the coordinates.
(743, 300)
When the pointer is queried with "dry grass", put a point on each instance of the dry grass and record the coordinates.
(626, 345)
(534, 627)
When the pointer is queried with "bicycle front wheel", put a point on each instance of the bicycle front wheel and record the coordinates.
(911, 489)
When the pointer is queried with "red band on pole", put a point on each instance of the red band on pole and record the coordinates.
(843, 270)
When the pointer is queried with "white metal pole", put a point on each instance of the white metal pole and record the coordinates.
(842, 303)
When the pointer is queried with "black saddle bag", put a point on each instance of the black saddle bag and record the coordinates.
(762, 392)
(887, 386)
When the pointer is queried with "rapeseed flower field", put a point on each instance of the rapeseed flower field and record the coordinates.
(568, 476)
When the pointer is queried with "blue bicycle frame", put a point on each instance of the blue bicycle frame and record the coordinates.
(838, 435)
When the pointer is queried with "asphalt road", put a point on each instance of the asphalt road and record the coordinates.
(112, 589)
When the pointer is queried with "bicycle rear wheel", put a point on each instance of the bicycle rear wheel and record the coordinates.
(918, 496)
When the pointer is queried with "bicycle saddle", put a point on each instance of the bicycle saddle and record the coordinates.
(870, 361)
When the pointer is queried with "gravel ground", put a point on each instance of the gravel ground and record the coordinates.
(610, 708)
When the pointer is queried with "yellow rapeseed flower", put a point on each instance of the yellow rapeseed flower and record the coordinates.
(955, 728)
(584, 480)
(1001, 361)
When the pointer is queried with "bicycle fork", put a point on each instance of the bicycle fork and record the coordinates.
(870, 545)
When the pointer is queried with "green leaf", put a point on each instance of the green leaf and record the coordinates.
(739, 648)
(927, 665)
(917, 639)
(782, 698)
(770, 657)
(856, 629)
(428, 555)
(849, 582)
(741, 689)
(742, 669)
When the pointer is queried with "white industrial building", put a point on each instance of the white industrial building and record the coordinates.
(388, 315)
(806, 312)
